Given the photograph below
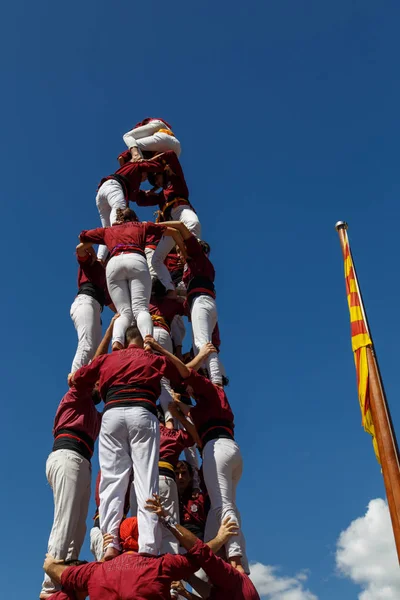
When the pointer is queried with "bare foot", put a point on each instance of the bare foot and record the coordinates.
(117, 346)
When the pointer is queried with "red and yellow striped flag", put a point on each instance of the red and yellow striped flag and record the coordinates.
(360, 339)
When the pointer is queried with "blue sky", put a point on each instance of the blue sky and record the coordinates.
(288, 117)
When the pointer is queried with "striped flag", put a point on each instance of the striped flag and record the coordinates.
(360, 339)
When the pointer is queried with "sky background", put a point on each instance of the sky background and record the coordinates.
(288, 115)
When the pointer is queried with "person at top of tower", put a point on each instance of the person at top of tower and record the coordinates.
(174, 204)
(129, 383)
(88, 305)
(128, 277)
(199, 276)
(151, 135)
(116, 190)
(227, 581)
(222, 460)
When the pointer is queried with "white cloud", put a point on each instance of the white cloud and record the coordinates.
(366, 554)
(271, 586)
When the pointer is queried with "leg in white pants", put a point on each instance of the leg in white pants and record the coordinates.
(222, 470)
(170, 501)
(129, 437)
(164, 339)
(149, 138)
(178, 330)
(190, 219)
(69, 475)
(109, 197)
(129, 285)
(149, 252)
(96, 543)
(86, 316)
(143, 131)
(204, 318)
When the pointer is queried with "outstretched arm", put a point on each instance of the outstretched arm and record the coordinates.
(174, 409)
(186, 538)
(181, 227)
(105, 342)
(177, 237)
(198, 360)
(178, 364)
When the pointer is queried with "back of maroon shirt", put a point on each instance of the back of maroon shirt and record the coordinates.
(198, 263)
(172, 442)
(77, 411)
(126, 234)
(166, 308)
(176, 182)
(132, 366)
(211, 401)
(129, 576)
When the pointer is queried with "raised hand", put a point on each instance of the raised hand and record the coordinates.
(154, 505)
(227, 530)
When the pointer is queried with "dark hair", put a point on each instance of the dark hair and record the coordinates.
(187, 465)
(132, 333)
(151, 178)
(126, 214)
(75, 563)
(205, 246)
(158, 289)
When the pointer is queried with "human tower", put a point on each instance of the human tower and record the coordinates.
(158, 402)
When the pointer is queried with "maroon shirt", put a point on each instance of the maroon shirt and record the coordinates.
(166, 308)
(172, 442)
(93, 272)
(129, 576)
(62, 596)
(173, 262)
(130, 176)
(192, 512)
(126, 234)
(198, 263)
(153, 238)
(212, 407)
(128, 371)
(176, 185)
(228, 583)
(77, 411)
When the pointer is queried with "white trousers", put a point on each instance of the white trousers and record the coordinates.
(170, 501)
(96, 543)
(109, 197)
(129, 437)
(204, 319)
(86, 316)
(222, 470)
(164, 339)
(178, 330)
(149, 252)
(190, 219)
(148, 137)
(129, 285)
(69, 476)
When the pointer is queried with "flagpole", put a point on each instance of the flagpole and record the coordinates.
(384, 431)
